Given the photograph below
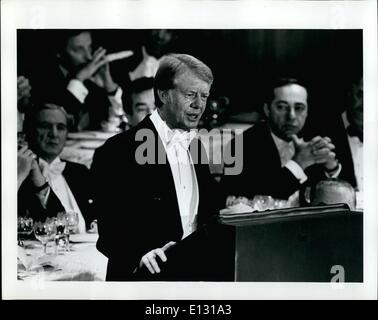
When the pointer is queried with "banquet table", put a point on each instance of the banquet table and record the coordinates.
(80, 146)
(82, 263)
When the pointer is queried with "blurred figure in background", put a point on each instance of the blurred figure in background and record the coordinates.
(353, 122)
(158, 43)
(333, 191)
(23, 100)
(139, 100)
(49, 184)
(79, 79)
(276, 162)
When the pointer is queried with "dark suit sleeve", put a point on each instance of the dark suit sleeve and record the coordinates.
(30, 205)
(211, 196)
(262, 173)
(120, 221)
(50, 85)
(79, 180)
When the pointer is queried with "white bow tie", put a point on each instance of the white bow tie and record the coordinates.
(183, 138)
(52, 170)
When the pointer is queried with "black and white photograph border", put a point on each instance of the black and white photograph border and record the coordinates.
(83, 14)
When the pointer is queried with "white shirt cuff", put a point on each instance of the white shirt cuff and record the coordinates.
(77, 88)
(296, 170)
(116, 103)
(117, 97)
(334, 174)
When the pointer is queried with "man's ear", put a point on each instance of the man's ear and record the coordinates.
(266, 110)
(163, 96)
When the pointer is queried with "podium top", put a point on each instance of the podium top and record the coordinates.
(280, 215)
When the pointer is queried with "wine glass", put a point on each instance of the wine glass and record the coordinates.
(44, 232)
(280, 204)
(262, 202)
(72, 222)
(61, 236)
(24, 229)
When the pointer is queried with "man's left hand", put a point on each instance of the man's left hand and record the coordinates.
(323, 146)
(149, 259)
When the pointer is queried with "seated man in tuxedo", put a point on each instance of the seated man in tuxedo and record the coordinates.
(49, 185)
(80, 80)
(167, 196)
(139, 100)
(275, 161)
(353, 122)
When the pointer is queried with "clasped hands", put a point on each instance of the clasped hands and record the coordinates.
(98, 71)
(149, 260)
(319, 150)
(27, 166)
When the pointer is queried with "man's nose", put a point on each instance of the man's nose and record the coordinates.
(197, 102)
(291, 114)
(88, 55)
(53, 132)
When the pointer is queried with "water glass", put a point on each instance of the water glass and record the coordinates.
(44, 232)
(61, 239)
(24, 229)
(72, 222)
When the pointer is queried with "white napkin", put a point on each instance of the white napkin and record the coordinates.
(31, 263)
(236, 208)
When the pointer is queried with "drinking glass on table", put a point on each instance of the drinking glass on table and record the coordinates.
(262, 203)
(44, 232)
(61, 236)
(24, 229)
(72, 222)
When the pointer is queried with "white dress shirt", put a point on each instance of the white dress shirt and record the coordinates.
(356, 148)
(183, 171)
(53, 174)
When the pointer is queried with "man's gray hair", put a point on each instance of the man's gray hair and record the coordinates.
(173, 65)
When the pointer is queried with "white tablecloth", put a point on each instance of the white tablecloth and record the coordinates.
(83, 263)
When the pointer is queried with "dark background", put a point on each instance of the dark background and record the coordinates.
(329, 61)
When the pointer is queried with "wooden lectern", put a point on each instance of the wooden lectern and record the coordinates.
(312, 244)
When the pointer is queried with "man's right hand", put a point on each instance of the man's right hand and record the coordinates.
(147, 68)
(89, 70)
(317, 150)
(149, 259)
(25, 158)
(36, 176)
